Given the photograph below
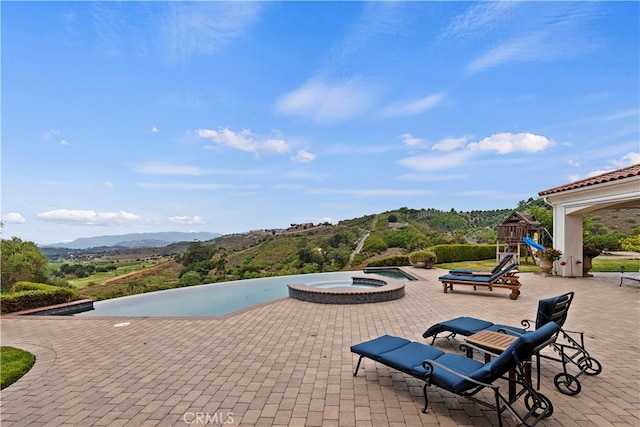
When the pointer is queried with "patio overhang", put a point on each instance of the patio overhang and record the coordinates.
(618, 189)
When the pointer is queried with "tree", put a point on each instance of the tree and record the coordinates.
(190, 278)
(197, 252)
(21, 261)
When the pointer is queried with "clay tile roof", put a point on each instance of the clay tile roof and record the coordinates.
(629, 171)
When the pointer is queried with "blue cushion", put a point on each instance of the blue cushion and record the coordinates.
(547, 309)
(458, 363)
(500, 328)
(374, 348)
(460, 325)
(523, 347)
(407, 357)
(503, 271)
(477, 279)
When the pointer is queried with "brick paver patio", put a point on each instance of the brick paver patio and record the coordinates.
(288, 362)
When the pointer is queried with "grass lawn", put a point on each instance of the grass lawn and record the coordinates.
(122, 268)
(601, 264)
(14, 363)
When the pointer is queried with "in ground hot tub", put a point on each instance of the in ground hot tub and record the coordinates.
(362, 290)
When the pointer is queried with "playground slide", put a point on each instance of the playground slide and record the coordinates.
(532, 243)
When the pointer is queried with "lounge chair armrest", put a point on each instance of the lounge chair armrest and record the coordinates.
(526, 323)
(544, 344)
(429, 364)
(572, 332)
(468, 346)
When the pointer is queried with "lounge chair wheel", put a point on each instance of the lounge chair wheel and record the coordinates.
(567, 384)
(537, 408)
(514, 295)
(589, 365)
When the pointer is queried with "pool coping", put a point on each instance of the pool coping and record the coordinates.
(66, 308)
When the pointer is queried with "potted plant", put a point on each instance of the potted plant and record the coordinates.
(589, 252)
(547, 257)
(425, 259)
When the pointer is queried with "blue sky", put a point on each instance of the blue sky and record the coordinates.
(121, 117)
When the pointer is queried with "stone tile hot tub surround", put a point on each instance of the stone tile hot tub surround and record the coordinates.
(387, 290)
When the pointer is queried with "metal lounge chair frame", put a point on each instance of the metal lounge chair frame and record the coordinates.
(571, 348)
(504, 278)
(467, 377)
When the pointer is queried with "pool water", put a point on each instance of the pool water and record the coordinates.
(215, 299)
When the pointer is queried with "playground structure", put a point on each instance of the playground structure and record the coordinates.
(520, 228)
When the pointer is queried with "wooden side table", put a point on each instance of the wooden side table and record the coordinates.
(497, 342)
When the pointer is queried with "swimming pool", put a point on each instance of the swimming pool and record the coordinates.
(216, 299)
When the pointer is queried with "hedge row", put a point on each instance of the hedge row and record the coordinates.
(457, 253)
(393, 261)
(28, 295)
(444, 254)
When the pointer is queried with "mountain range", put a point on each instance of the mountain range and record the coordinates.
(135, 240)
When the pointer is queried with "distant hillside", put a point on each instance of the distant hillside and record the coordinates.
(135, 240)
(270, 250)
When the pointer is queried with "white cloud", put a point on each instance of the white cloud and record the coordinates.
(448, 144)
(541, 37)
(373, 192)
(410, 140)
(48, 134)
(243, 141)
(632, 113)
(327, 102)
(412, 108)
(506, 142)
(631, 159)
(187, 220)
(161, 168)
(64, 142)
(154, 168)
(182, 186)
(155, 130)
(197, 28)
(480, 19)
(304, 156)
(13, 218)
(377, 19)
(90, 217)
(429, 177)
(431, 162)
(108, 186)
(521, 49)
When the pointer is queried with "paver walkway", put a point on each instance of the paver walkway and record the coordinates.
(288, 362)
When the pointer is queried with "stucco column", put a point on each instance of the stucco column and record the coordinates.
(567, 237)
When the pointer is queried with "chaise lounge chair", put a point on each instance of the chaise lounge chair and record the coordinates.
(502, 264)
(504, 278)
(465, 376)
(554, 309)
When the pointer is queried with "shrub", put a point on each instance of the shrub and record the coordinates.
(191, 278)
(28, 295)
(631, 243)
(375, 243)
(427, 257)
(394, 261)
